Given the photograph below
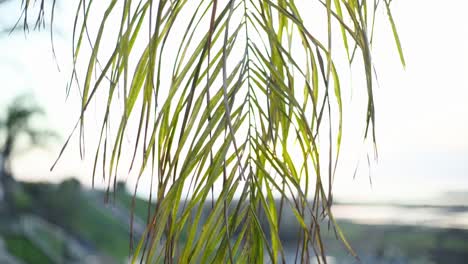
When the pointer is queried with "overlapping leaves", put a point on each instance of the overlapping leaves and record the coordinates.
(230, 107)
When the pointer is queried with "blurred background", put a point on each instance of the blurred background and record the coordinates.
(408, 206)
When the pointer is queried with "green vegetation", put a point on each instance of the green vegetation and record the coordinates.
(409, 243)
(140, 209)
(21, 199)
(86, 219)
(22, 248)
(55, 232)
(72, 218)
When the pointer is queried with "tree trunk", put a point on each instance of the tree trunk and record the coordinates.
(7, 187)
(5, 156)
(5, 177)
(2, 188)
(2, 169)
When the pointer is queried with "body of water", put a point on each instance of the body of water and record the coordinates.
(430, 216)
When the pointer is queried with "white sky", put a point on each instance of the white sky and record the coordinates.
(422, 111)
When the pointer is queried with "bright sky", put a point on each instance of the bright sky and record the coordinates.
(422, 111)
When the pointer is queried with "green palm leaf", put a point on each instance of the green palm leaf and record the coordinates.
(231, 97)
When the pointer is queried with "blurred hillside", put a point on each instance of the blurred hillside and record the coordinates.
(66, 223)
(46, 223)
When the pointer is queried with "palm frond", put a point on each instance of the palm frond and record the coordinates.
(230, 100)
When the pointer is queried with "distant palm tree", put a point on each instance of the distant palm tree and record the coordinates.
(17, 123)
